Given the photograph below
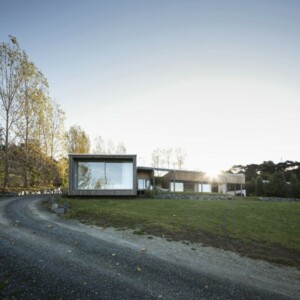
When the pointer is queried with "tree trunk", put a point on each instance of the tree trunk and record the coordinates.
(6, 161)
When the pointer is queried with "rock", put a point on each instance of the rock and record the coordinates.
(54, 206)
(66, 206)
(59, 210)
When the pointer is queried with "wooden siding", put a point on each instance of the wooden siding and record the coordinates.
(232, 178)
(145, 174)
(185, 176)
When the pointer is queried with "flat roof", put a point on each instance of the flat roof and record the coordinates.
(84, 155)
(167, 169)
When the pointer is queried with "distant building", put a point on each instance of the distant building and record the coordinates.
(232, 184)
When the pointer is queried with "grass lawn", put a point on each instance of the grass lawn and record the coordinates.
(265, 230)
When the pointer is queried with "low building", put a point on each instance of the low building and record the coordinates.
(118, 175)
(102, 175)
(145, 179)
(186, 181)
(232, 184)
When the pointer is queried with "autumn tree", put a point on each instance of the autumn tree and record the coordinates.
(31, 93)
(56, 131)
(10, 79)
(77, 140)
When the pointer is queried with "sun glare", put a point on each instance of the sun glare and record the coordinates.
(212, 174)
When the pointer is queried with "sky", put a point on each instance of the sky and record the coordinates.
(219, 79)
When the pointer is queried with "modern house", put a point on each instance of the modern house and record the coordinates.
(186, 181)
(118, 175)
(232, 184)
(102, 175)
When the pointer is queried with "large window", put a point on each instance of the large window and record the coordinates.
(204, 187)
(143, 184)
(105, 176)
(177, 187)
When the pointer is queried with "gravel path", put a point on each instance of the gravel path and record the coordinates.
(45, 257)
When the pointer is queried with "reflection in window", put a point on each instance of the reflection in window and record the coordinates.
(104, 176)
(119, 176)
(178, 187)
(143, 184)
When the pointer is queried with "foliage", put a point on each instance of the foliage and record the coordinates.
(270, 179)
(77, 140)
(33, 135)
(294, 186)
(10, 74)
(259, 186)
(41, 169)
(277, 185)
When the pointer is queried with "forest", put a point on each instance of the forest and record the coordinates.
(270, 179)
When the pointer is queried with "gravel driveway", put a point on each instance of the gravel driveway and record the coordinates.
(45, 257)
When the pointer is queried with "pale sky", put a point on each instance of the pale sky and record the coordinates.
(217, 78)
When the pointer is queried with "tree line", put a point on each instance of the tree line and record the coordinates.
(33, 140)
(168, 158)
(32, 123)
(270, 179)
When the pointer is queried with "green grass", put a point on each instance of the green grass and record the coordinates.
(267, 230)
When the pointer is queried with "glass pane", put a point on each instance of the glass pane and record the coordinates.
(119, 176)
(113, 176)
(206, 187)
(105, 176)
(141, 184)
(178, 187)
(91, 176)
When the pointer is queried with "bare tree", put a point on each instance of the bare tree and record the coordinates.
(110, 147)
(180, 157)
(157, 159)
(121, 148)
(167, 153)
(100, 147)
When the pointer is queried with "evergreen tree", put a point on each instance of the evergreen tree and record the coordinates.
(259, 186)
(277, 186)
(295, 186)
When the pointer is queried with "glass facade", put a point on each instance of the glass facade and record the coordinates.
(143, 184)
(206, 188)
(178, 187)
(104, 176)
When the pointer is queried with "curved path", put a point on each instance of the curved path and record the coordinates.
(45, 257)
